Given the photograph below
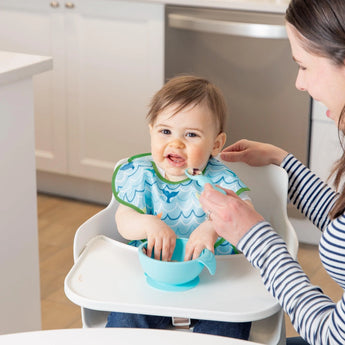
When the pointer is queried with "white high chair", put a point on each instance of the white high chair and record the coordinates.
(268, 191)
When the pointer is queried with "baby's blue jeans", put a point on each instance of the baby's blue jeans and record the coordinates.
(238, 330)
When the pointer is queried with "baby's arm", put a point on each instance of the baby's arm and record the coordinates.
(133, 225)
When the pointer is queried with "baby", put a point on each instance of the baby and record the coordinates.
(157, 200)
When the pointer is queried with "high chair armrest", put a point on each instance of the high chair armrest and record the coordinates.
(102, 223)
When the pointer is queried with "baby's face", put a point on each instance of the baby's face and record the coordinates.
(184, 140)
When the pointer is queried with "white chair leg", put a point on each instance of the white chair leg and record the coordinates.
(270, 331)
(93, 318)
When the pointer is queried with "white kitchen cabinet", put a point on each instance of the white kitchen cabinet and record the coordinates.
(30, 26)
(108, 61)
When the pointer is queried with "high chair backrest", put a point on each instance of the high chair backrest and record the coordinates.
(102, 223)
(268, 191)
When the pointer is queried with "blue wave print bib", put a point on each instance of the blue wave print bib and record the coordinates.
(138, 184)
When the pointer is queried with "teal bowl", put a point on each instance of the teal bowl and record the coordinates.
(177, 274)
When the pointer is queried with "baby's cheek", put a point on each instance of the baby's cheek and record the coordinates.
(199, 158)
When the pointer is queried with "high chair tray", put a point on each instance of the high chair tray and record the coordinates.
(107, 276)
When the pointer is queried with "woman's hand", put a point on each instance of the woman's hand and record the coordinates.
(253, 153)
(204, 236)
(231, 216)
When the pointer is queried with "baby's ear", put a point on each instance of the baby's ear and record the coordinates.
(219, 143)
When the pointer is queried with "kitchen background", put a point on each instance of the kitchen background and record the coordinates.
(111, 56)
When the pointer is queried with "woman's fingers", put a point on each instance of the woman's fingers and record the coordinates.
(213, 198)
(253, 153)
(238, 146)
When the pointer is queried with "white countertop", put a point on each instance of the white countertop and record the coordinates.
(128, 336)
(273, 6)
(15, 66)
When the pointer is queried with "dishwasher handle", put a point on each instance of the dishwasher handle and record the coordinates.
(181, 21)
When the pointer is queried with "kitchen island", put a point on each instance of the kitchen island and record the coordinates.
(19, 270)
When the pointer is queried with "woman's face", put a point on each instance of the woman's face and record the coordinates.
(324, 81)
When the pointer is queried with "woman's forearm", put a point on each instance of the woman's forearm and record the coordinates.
(310, 310)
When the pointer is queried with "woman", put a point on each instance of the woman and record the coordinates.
(316, 30)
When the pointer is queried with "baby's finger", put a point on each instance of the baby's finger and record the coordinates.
(166, 250)
(157, 250)
(172, 248)
(149, 247)
(188, 255)
(197, 252)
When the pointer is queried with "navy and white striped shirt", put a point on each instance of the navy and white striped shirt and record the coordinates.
(314, 315)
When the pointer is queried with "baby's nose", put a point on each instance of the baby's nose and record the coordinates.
(177, 143)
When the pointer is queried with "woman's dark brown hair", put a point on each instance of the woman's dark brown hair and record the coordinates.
(321, 26)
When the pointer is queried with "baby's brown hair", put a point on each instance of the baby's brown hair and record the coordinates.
(186, 90)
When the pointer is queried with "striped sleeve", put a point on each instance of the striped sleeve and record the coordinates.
(308, 193)
(332, 250)
(315, 317)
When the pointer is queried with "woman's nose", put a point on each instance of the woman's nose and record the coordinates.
(300, 84)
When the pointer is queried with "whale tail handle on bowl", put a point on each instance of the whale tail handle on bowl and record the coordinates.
(208, 259)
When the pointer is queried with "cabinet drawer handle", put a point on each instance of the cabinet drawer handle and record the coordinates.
(69, 5)
(54, 4)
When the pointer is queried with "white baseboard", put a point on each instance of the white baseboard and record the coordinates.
(74, 187)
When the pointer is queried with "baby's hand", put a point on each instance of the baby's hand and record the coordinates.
(204, 236)
(161, 239)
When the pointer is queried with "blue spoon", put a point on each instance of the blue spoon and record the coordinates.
(196, 174)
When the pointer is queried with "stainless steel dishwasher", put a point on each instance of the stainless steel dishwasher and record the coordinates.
(246, 54)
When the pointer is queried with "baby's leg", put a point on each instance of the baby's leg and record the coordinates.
(138, 321)
(238, 330)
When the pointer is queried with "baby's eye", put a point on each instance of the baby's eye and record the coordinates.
(191, 135)
(165, 131)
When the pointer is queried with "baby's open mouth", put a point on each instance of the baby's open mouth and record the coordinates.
(175, 159)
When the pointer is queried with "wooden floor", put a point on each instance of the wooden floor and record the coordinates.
(59, 218)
